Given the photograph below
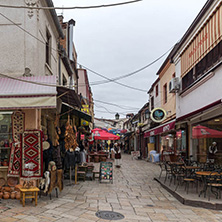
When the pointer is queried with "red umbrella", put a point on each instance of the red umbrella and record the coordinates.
(205, 132)
(100, 134)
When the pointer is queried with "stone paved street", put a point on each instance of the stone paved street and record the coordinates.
(133, 193)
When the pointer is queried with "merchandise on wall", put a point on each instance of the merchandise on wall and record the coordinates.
(32, 152)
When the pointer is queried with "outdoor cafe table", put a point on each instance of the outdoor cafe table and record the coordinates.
(92, 155)
(189, 170)
(176, 163)
(204, 174)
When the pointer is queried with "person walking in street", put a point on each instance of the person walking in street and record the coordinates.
(117, 152)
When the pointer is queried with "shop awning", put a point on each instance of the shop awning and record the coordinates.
(205, 132)
(71, 110)
(160, 129)
(28, 92)
(100, 134)
(68, 96)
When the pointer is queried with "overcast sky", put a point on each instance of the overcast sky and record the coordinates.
(118, 40)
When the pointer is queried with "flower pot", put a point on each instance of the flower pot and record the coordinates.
(1, 194)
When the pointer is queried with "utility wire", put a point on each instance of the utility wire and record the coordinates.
(61, 54)
(132, 73)
(113, 104)
(73, 7)
(127, 86)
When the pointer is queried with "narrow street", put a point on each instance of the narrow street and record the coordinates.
(133, 193)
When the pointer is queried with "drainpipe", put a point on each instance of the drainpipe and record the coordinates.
(71, 24)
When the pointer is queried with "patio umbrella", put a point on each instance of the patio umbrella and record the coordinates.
(100, 134)
(205, 132)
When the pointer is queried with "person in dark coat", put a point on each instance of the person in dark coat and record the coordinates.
(117, 152)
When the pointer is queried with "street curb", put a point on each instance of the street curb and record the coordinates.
(190, 202)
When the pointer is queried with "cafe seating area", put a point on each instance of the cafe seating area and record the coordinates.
(100, 156)
(193, 183)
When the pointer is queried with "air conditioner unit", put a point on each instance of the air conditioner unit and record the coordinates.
(174, 85)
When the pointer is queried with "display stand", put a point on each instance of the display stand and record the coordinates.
(70, 177)
(106, 172)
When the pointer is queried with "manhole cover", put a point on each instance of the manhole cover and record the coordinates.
(109, 215)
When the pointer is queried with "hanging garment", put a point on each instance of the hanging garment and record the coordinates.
(69, 159)
(57, 157)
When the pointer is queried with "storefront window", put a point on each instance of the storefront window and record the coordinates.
(207, 141)
(181, 140)
(5, 137)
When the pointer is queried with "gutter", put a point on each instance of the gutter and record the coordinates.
(55, 18)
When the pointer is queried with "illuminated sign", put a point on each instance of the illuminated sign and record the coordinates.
(158, 115)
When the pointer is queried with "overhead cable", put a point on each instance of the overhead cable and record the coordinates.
(132, 73)
(61, 53)
(72, 7)
(127, 86)
(113, 104)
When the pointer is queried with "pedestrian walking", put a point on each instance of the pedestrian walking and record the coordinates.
(117, 152)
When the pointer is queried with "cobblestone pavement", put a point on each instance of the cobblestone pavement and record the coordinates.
(133, 193)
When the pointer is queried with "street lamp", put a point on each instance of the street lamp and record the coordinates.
(117, 116)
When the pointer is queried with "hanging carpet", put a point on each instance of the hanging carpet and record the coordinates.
(15, 160)
(32, 153)
(18, 125)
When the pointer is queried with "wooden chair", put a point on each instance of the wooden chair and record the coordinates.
(89, 173)
(81, 172)
(214, 183)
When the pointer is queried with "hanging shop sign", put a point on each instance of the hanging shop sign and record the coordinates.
(85, 109)
(158, 115)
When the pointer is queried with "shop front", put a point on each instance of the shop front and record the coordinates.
(207, 140)
(23, 102)
(163, 139)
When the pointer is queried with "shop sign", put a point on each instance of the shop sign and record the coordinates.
(161, 129)
(85, 109)
(158, 115)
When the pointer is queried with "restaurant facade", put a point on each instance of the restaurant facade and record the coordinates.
(198, 66)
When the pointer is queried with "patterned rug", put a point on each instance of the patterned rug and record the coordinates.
(18, 125)
(15, 160)
(32, 153)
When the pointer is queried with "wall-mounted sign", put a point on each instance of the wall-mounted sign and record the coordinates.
(158, 115)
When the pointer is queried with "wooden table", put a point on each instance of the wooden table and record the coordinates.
(29, 193)
(190, 170)
(207, 173)
(204, 174)
(92, 155)
(176, 163)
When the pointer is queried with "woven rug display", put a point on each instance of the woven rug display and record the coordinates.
(15, 160)
(18, 125)
(32, 153)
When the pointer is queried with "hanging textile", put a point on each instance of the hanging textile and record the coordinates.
(18, 125)
(15, 160)
(32, 152)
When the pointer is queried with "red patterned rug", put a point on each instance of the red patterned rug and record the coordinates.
(15, 160)
(18, 125)
(32, 153)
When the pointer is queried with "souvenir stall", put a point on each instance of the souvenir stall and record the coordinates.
(22, 132)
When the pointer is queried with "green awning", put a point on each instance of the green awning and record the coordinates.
(75, 112)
